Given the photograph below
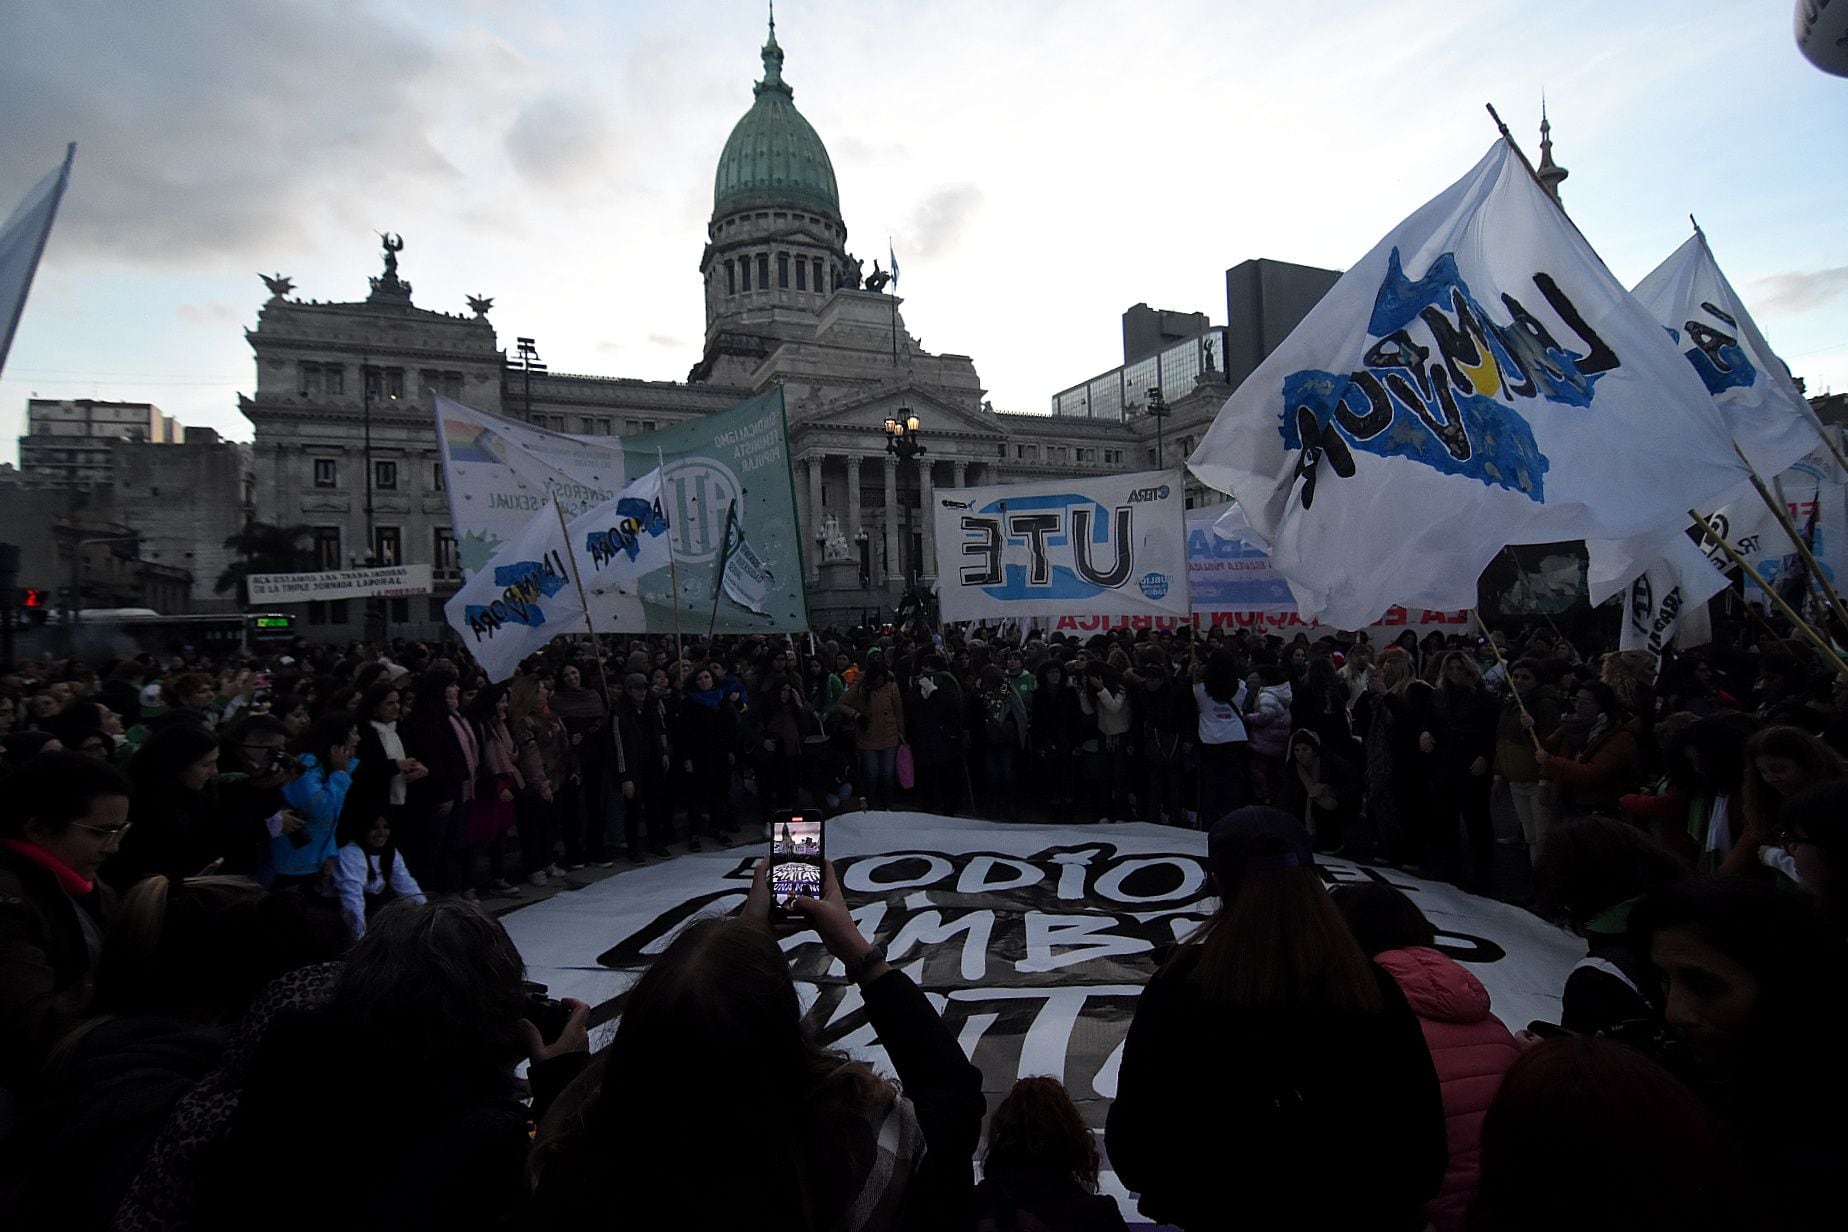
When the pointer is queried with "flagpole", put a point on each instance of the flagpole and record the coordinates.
(1802, 626)
(673, 566)
(1512, 691)
(718, 578)
(1782, 515)
(596, 651)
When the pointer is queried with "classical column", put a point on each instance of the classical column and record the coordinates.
(852, 521)
(927, 510)
(894, 568)
(961, 471)
(812, 515)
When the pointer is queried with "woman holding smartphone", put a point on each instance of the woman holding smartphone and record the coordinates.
(712, 1036)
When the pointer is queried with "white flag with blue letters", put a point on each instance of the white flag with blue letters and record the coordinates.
(1478, 379)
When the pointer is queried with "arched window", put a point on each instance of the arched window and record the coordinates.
(731, 278)
(782, 271)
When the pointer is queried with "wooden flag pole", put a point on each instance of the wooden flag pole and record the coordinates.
(1802, 626)
(673, 567)
(1512, 691)
(1782, 515)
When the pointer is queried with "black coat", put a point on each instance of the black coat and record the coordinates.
(706, 736)
(1284, 1116)
(48, 957)
(1036, 1199)
(934, 724)
(1055, 721)
(433, 741)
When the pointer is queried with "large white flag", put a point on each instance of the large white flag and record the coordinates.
(1763, 409)
(528, 593)
(1478, 379)
(1765, 414)
(22, 239)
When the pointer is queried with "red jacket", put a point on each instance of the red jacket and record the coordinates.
(1471, 1049)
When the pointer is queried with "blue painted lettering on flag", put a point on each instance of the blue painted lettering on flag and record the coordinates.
(1440, 381)
(1716, 354)
(635, 518)
(524, 583)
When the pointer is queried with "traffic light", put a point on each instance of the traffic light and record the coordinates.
(37, 604)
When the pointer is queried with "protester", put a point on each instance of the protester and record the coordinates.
(708, 738)
(1223, 743)
(1265, 1037)
(1103, 699)
(1322, 789)
(1469, 1045)
(1814, 831)
(1596, 760)
(542, 748)
(712, 1034)
(176, 830)
(1460, 743)
(369, 874)
(1590, 1134)
(1528, 707)
(934, 722)
(874, 706)
(69, 815)
(1589, 877)
(1004, 737)
(1780, 761)
(1040, 1166)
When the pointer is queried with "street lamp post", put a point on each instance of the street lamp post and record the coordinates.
(75, 608)
(1158, 407)
(902, 443)
(529, 364)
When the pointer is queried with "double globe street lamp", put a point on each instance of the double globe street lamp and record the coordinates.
(903, 443)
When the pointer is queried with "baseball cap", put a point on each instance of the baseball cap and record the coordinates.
(1256, 839)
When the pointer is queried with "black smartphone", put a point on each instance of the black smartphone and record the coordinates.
(795, 859)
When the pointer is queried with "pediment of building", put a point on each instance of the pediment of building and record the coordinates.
(867, 409)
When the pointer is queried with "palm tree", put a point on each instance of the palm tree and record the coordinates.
(265, 548)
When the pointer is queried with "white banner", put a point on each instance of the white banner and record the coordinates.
(1105, 545)
(528, 594)
(1478, 379)
(390, 582)
(499, 473)
(1034, 941)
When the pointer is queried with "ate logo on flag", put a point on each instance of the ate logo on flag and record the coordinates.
(1439, 382)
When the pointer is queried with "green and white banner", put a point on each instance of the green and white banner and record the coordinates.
(499, 475)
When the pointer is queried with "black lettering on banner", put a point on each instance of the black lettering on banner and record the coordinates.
(1124, 544)
(1598, 355)
(1036, 528)
(987, 550)
(1035, 961)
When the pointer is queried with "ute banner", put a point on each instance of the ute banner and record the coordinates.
(1104, 545)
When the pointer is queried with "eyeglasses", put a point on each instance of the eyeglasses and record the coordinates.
(109, 833)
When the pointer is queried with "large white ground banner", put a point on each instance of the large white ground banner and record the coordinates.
(1033, 941)
(1104, 545)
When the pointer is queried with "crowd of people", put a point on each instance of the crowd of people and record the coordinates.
(241, 928)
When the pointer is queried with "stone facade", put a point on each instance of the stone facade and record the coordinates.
(786, 303)
(185, 500)
(66, 442)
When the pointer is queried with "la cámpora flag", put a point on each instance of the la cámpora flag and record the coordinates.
(1766, 415)
(1478, 379)
(22, 241)
(529, 593)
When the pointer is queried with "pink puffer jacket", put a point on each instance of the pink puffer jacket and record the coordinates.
(1472, 1050)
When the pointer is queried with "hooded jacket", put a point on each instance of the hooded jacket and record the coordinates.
(1472, 1051)
(1269, 720)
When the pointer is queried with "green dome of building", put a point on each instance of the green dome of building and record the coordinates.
(773, 156)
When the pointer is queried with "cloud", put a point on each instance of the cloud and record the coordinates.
(664, 340)
(214, 314)
(559, 141)
(937, 224)
(207, 131)
(1803, 290)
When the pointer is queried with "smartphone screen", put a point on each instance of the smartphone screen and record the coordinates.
(795, 857)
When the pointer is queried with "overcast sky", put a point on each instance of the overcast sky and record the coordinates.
(1039, 166)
